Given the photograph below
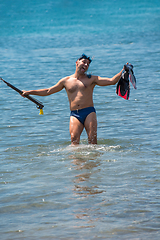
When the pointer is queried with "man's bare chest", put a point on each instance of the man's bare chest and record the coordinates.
(78, 85)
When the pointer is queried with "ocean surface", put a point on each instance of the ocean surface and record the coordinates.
(49, 189)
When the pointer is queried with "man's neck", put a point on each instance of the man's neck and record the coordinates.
(79, 75)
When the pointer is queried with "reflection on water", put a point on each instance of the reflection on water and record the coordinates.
(87, 166)
(82, 183)
(86, 161)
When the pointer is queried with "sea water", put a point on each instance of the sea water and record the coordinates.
(49, 189)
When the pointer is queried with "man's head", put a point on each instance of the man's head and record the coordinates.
(82, 64)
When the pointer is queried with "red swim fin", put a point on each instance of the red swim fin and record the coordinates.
(123, 88)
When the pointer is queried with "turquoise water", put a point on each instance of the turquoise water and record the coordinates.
(50, 190)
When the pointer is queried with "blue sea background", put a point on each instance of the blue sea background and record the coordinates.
(48, 189)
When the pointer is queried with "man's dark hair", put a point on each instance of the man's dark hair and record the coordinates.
(85, 57)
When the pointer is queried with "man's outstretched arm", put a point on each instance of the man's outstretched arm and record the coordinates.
(47, 91)
(102, 81)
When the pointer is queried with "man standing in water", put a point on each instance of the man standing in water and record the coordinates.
(79, 88)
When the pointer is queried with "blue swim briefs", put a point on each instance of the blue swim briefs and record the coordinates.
(81, 114)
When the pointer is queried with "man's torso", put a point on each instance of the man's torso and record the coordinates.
(80, 91)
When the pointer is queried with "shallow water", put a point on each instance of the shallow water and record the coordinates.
(49, 189)
(107, 191)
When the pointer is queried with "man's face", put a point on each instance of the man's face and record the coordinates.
(82, 65)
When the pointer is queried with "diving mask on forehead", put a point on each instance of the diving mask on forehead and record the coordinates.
(85, 57)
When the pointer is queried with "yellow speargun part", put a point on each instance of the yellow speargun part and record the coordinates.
(41, 112)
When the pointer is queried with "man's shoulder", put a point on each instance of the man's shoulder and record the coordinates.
(65, 78)
(92, 77)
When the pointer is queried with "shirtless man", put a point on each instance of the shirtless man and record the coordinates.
(79, 88)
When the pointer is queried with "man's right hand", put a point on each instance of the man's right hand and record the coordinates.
(25, 93)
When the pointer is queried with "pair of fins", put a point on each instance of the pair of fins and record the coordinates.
(123, 86)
